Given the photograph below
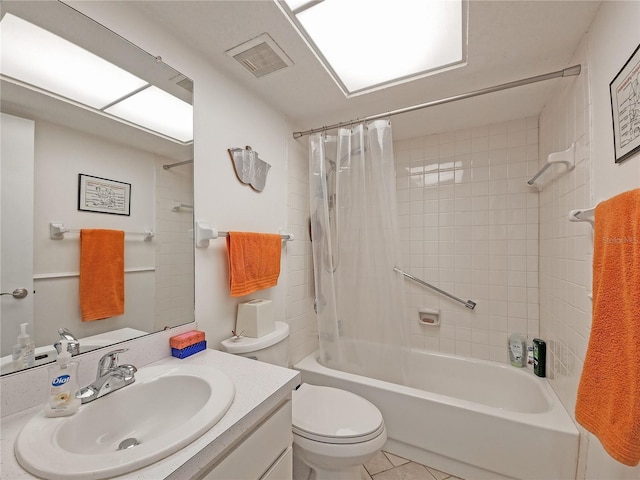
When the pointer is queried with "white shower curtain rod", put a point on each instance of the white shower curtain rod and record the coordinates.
(567, 72)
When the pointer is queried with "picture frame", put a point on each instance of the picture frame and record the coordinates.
(624, 91)
(101, 195)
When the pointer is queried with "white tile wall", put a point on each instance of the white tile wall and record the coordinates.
(566, 248)
(469, 225)
(174, 252)
(300, 287)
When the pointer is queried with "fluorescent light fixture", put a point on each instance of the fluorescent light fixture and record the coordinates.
(368, 45)
(297, 4)
(159, 111)
(40, 58)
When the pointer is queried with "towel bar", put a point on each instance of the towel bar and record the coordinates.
(57, 231)
(204, 233)
(584, 215)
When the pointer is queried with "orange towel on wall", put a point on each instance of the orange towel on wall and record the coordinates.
(101, 273)
(254, 261)
(608, 401)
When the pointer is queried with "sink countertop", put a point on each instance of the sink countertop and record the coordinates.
(108, 338)
(260, 387)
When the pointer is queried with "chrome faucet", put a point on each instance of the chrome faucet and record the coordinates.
(110, 377)
(73, 346)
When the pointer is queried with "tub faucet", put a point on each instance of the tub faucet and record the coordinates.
(73, 346)
(110, 377)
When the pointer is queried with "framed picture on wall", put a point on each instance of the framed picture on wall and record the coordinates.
(625, 108)
(102, 195)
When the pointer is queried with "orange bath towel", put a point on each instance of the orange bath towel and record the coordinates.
(254, 261)
(101, 274)
(608, 402)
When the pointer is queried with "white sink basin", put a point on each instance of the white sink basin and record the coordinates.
(164, 410)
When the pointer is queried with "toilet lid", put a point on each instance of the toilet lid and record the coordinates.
(238, 345)
(331, 415)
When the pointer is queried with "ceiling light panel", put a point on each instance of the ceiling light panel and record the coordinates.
(366, 45)
(159, 111)
(40, 58)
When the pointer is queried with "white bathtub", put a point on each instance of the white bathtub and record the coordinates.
(471, 418)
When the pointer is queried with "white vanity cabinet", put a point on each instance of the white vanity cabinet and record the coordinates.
(264, 453)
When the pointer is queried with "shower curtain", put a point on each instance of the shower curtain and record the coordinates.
(359, 298)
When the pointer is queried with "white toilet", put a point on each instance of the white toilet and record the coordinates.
(334, 431)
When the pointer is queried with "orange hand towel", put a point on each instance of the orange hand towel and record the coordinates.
(254, 261)
(608, 401)
(101, 273)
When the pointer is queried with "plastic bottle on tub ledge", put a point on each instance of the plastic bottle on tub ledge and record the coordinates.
(518, 350)
(529, 356)
(539, 357)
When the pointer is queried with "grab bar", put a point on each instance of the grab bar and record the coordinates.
(567, 157)
(171, 165)
(176, 206)
(469, 304)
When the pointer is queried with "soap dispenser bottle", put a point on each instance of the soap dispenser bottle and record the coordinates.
(23, 351)
(539, 357)
(518, 350)
(63, 385)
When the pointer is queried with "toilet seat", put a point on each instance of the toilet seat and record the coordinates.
(330, 415)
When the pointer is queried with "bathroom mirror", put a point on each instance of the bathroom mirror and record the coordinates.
(58, 140)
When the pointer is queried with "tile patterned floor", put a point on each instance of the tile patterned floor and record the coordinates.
(386, 466)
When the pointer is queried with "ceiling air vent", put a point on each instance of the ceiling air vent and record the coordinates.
(260, 56)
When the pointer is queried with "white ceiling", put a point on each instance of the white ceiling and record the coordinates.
(508, 40)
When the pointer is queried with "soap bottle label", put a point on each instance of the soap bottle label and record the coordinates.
(61, 380)
(517, 350)
(59, 395)
(530, 359)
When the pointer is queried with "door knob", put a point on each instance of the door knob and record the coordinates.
(17, 293)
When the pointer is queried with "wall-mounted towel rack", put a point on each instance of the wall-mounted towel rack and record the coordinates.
(469, 303)
(57, 231)
(176, 206)
(171, 165)
(204, 233)
(567, 157)
(584, 215)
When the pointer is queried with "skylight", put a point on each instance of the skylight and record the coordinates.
(366, 45)
(36, 57)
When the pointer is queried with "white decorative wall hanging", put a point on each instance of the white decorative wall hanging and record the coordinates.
(250, 169)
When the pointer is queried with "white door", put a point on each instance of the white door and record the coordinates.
(17, 136)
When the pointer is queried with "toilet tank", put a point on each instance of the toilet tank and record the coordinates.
(271, 348)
